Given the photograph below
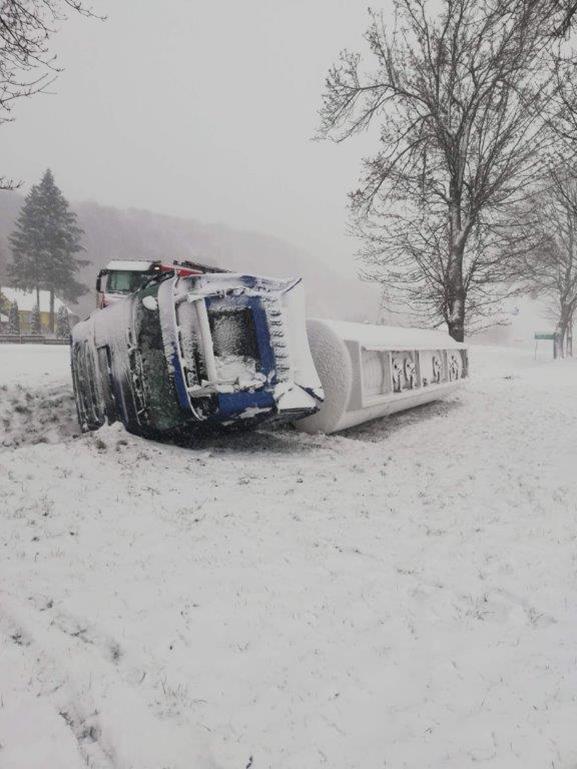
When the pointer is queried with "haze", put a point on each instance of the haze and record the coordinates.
(202, 110)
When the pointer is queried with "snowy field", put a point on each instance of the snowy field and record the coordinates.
(402, 596)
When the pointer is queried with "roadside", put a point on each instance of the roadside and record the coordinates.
(404, 595)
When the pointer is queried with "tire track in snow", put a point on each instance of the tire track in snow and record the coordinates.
(79, 714)
(113, 727)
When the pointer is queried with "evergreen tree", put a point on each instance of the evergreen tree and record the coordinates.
(62, 323)
(44, 245)
(26, 245)
(35, 325)
(14, 319)
(4, 303)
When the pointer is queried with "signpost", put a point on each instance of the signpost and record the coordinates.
(550, 337)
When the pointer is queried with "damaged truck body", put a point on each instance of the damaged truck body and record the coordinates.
(187, 352)
(177, 349)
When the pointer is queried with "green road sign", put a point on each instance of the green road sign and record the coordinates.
(545, 336)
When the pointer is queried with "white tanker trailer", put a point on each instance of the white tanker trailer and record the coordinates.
(369, 371)
(191, 351)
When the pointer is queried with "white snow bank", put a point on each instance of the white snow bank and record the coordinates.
(36, 415)
(36, 400)
(34, 365)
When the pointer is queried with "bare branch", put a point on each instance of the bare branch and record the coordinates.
(473, 104)
(27, 66)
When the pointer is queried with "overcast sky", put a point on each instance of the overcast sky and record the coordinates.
(203, 109)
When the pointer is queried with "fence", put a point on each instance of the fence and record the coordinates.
(31, 339)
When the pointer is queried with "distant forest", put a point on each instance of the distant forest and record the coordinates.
(111, 233)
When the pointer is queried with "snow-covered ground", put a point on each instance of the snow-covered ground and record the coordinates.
(404, 595)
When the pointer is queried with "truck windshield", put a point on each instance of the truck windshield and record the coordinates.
(126, 282)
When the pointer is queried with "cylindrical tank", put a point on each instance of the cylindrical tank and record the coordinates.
(368, 371)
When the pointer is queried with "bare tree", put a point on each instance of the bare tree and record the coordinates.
(409, 255)
(562, 15)
(27, 66)
(548, 260)
(465, 101)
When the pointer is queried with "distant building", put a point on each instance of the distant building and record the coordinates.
(26, 301)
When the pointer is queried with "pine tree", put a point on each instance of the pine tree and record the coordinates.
(26, 245)
(14, 319)
(44, 245)
(35, 325)
(62, 323)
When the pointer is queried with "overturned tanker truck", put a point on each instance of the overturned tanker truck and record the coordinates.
(191, 350)
(187, 352)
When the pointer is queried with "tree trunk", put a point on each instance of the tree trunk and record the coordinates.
(38, 296)
(569, 333)
(456, 326)
(558, 341)
(456, 294)
(564, 333)
(51, 322)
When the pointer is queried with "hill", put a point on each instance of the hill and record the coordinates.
(112, 233)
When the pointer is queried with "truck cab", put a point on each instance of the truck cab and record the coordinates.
(123, 277)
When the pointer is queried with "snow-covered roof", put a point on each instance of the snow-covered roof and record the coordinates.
(27, 299)
(136, 265)
(373, 337)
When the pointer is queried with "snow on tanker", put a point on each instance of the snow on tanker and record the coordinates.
(178, 348)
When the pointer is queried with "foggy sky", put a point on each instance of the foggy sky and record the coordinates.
(202, 109)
